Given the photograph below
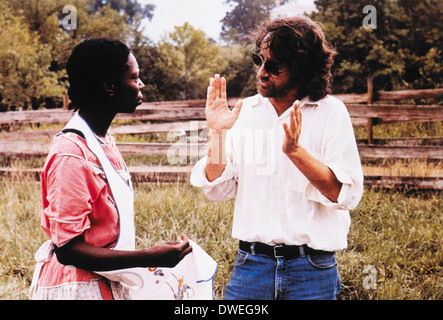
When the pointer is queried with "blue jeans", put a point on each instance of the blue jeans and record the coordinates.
(260, 277)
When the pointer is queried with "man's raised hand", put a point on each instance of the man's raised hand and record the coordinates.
(218, 115)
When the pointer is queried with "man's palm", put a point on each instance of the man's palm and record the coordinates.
(218, 115)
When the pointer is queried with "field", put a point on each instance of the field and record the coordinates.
(394, 244)
(395, 241)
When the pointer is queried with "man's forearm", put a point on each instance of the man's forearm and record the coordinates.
(320, 175)
(216, 155)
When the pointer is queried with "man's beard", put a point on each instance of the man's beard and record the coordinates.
(276, 92)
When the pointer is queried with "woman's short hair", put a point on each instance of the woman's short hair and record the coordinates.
(299, 44)
(93, 65)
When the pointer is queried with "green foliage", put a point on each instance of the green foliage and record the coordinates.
(35, 46)
(25, 74)
(105, 22)
(239, 71)
(190, 59)
(131, 8)
(244, 17)
(404, 51)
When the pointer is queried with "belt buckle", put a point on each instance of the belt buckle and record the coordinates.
(276, 255)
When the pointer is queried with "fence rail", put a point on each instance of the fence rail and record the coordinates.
(189, 116)
(360, 114)
(182, 174)
(193, 149)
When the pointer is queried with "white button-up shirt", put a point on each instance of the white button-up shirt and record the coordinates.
(274, 202)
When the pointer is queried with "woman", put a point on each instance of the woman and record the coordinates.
(86, 188)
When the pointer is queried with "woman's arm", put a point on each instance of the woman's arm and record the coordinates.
(88, 257)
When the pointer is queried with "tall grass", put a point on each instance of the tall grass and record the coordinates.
(399, 234)
(403, 167)
(402, 130)
(20, 236)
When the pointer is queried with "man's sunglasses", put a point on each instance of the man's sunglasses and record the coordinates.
(270, 66)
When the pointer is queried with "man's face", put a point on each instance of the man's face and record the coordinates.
(128, 93)
(273, 85)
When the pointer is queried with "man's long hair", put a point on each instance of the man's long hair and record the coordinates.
(299, 44)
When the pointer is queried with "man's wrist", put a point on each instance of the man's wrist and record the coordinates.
(296, 154)
(216, 141)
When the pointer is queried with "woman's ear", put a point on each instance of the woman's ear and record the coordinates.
(109, 88)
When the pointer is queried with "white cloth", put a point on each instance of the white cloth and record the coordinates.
(191, 279)
(275, 202)
(43, 255)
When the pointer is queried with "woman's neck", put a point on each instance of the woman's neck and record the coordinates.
(98, 122)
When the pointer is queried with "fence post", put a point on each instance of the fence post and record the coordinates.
(65, 102)
(369, 101)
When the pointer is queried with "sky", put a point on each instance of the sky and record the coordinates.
(204, 15)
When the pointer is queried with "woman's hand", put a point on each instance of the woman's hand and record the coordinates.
(169, 254)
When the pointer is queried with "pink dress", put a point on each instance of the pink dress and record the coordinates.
(77, 200)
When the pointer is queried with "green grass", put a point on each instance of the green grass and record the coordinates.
(402, 130)
(399, 234)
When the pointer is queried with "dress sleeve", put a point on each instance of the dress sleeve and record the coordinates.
(69, 190)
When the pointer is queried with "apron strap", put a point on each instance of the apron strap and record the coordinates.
(105, 289)
(121, 190)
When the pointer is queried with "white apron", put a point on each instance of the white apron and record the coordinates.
(192, 278)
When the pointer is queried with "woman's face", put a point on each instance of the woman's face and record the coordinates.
(127, 94)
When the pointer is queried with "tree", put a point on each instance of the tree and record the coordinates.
(244, 17)
(131, 8)
(36, 46)
(105, 22)
(190, 59)
(239, 70)
(422, 43)
(393, 54)
(25, 75)
(237, 25)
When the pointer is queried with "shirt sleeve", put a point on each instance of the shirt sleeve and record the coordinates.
(67, 202)
(340, 154)
(222, 188)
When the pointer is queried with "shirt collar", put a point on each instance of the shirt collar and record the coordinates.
(305, 102)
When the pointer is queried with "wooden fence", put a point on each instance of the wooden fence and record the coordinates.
(189, 116)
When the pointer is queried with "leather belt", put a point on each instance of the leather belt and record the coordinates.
(280, 250)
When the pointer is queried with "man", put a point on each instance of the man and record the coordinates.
(289, 157)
